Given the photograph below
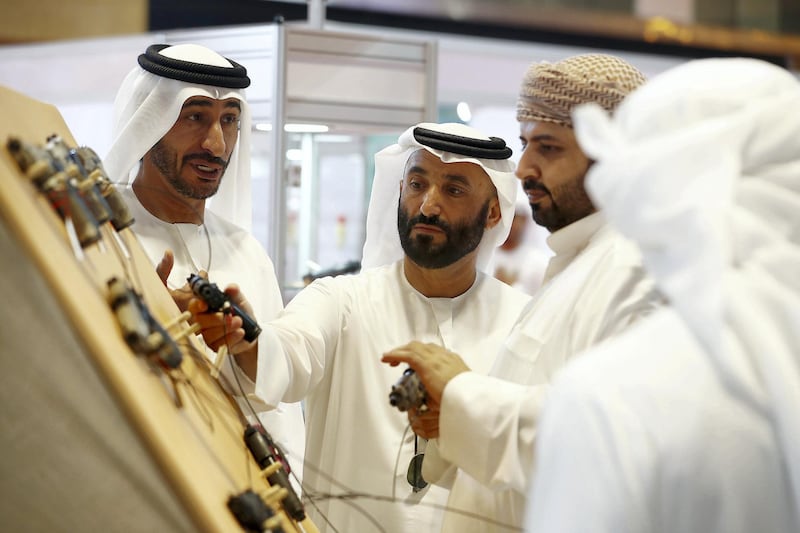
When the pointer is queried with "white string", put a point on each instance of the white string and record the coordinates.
(186, 247)
(188, 252)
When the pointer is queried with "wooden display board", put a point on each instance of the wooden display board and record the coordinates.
(190, 426)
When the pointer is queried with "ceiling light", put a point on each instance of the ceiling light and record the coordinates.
(463, 112)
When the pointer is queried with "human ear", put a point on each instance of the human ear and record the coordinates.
(494, 215)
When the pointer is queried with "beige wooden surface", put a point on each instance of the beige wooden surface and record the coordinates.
(192, 428)
(50, 20)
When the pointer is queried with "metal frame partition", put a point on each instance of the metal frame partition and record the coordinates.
(343, 82)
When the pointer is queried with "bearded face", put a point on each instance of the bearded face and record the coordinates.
(165, 159)
(193, 155)
(444, 209)
(553, 170)
(460, 238)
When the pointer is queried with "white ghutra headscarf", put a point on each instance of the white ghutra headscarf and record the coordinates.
(382, 245)
(149, 102)
(709, 153)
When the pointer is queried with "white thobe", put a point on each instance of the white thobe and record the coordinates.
(328, 344)
(594, 288)
(524, 266)
(643, 436)
(230, 255)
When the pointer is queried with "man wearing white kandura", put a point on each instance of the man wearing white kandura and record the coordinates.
(442, 201)
(595, 287)
(182, 140)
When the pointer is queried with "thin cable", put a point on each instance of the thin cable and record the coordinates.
(126, 260)
(397, 462)
(310, 500)
(282, 458)
(247, 454)
(445, 508)
(200, 216)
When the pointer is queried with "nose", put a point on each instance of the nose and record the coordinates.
(528, 167)
(214, 140)
(431, 204)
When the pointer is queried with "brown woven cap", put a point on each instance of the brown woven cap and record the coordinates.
(550, 91)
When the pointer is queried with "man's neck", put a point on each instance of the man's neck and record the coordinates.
(447, 282)
(165, 203)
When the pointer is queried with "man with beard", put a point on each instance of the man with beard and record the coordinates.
(442, 200)
(181, 127)
(594, 287)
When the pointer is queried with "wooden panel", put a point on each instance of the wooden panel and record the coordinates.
(190, 426)
(49, 20)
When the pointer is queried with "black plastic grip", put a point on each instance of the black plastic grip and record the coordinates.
(219, 301)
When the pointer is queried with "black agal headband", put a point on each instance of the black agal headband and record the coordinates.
(190, 72)
(493, 148)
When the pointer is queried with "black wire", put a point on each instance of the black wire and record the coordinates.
(445, 508)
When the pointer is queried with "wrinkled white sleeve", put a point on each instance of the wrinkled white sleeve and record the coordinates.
(586, 477)
(265, 393)
(299, 344)
(436, 469)
(493, 441)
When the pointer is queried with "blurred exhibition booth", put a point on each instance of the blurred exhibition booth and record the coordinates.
(324, 100)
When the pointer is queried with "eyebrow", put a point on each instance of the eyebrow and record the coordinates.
(202, 102)
(540, 137)
(196, 102)
(458, 178)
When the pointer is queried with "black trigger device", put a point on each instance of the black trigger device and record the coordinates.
(219, 301)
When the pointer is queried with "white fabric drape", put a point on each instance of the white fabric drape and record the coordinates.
(709, 153)
(488, 427)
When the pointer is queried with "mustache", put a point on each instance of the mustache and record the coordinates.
(429, 221)
(528, 185)
(205, 157)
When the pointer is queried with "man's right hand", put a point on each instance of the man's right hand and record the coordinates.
(220, 329)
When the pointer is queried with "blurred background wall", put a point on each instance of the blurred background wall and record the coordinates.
(75, 54)
(690, 27)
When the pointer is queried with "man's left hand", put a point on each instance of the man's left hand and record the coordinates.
(434, 365)
(425, 423)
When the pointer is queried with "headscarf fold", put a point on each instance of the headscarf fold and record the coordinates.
(382, 245)
(709, 153)
(147, 106)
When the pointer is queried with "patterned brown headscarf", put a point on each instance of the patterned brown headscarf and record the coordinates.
(550, 91)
